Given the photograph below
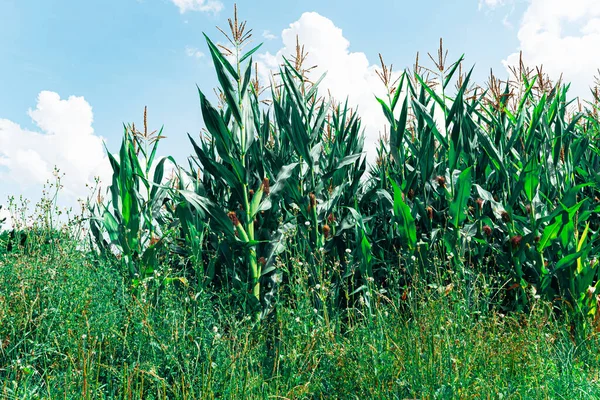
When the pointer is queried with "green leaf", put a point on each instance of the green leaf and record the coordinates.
(403, 217)
(216, 127)
(397, 135)
(248, 54)
(315, 87)
(284, 173)
(531, 179)
(431, 93)
(386, 110)
(462, 192)
(218, 58)
(452, 70)
(398, 91)
(566, 261)
(230, 96)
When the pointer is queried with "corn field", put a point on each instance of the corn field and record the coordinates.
(499, 181)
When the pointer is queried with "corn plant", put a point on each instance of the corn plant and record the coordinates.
(500, 181)
(258, 178)
(505, 183)
(132, 223)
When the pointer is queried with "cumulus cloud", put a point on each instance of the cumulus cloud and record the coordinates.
(65, 139)
(349, 74)
(268, 35)
(193, 52)
(213, 6)
(564, 37)
(491, 3)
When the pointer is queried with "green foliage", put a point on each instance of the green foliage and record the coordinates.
(470, 246)
(492, 182)
(70, 329)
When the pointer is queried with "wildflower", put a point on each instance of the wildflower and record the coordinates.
(84, 336)
(297, 319)
(348, 251)
(215, 329)
(533, 290)
(276, 278)
(370, 279)
(307, 223)
(413, 258)
(318, 286)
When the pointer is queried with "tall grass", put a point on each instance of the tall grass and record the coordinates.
(70, 329)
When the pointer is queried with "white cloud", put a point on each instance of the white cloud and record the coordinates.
(65, 139)
(349, 74)
(193, 52)
(213, 6)
(268, 35)
(564, 37)
(506, 22)
(492, 3)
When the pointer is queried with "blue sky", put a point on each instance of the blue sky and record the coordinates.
(117, 56)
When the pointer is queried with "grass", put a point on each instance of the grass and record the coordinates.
(70, 329)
